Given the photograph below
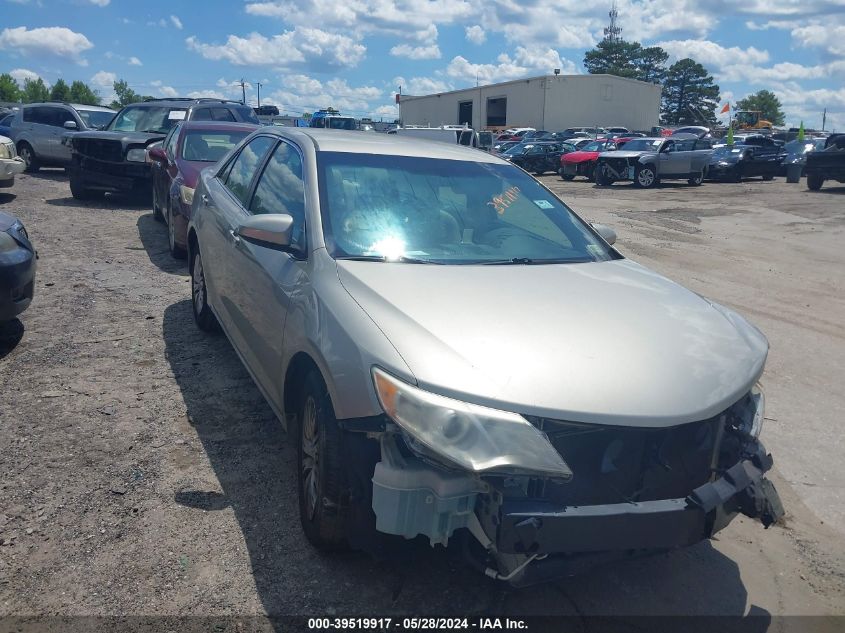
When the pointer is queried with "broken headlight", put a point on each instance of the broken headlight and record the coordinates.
(472, 437)
(746, 416)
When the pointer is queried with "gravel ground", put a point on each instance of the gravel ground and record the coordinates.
(141, 473)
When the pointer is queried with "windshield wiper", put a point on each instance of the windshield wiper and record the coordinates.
(152, 131)
(526, 261)
(381, 258)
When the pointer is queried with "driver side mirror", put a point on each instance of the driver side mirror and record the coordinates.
(607, 233)
(157, 153)
(71, 125)
(270, 230)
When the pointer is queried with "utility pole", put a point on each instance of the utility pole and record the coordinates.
(243, 91)
(259, 93)
(824, 118)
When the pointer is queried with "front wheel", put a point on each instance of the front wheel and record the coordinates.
(645, 176)
(203, 316)
(768, 177)
(176, 251)
(79, 191)
(567, 177)
(26, 152)
(601, 176)
(322, 509)
(814, 182)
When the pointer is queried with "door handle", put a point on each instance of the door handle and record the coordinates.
(233, 234)
(205, 199)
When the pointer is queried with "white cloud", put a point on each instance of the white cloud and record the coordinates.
(176, 22)
(104, 79)
(828, 37)
(301, 46)
(421, 85)
(712, 55)
(134, 61)
(54, 40)
(305, 93)
(206, 94)
(525, 62)
(475, 34)
(416, 52)
(100, 3)
(22, 74)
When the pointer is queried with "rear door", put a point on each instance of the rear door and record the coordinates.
(228, 197)
(41, 128)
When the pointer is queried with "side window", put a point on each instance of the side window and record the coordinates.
(171, 140)
(243, 168)
(684, 146)
(40, 115)
(202, 114)
(280, 190)
(62, 115)
(221, 114)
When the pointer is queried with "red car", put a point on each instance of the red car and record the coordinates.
(176, 163)
(583, 162)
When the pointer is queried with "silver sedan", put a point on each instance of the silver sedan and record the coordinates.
(459, 356)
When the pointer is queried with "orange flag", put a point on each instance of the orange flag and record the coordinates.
(727, 108)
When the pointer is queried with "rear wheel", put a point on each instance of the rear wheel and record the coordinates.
(320, 466)
(645, 176)
(204, 317)
(157, 214)
(697, 179)
(78, 189)
(814, 182)
(567, 176)
(601, 176)
(768, 177)
(176, 251)
(26, 152)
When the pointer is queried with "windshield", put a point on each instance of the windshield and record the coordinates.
(147, 119)
(518, 150)
(643, 145)
(209, 147)
(595, 146)
(800, 147)
(425, 210)
(727, 150)
(95, 118)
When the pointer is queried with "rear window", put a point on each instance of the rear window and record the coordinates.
(209, 147)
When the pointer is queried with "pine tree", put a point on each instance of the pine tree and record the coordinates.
(34, 91)
(80, 92)
(689, 95)
(766, 102)
(60, 91)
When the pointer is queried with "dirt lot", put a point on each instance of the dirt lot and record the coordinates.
(142, 473)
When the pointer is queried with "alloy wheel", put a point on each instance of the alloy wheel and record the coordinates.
(198, 286)
(646, 177)
(310, 456)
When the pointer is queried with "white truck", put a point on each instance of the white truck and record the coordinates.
(454, 134)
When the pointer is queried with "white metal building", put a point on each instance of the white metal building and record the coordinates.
(551, 102)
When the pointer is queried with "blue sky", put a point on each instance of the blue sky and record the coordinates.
(354, 54)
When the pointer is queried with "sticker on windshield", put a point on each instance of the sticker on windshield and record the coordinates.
(501, 203)
(544, 204)
(176, 115)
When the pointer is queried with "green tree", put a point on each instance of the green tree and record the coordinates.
(766, 102)
(60, 91)
(35, 91)
(689, 95)
(627, 59)
(80, 92)
(9, 88)
(125, 95)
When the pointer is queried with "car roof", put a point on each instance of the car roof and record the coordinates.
(75, 106)
(355, 142)
(179, 102)
(223, 126)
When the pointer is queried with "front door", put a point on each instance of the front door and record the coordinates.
(266, 278)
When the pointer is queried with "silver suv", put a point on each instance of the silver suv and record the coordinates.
(39, 130)
(458, 355)
(647, 161)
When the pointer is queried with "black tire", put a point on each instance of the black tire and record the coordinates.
(814, 182)
(157, 214)
(696, 180)
(323, 490)
(645, 176)
(78, 189)
(26, 152)
(602, 179)
(591, 174)
(568, 177)
(768, 177)
(736, 175)
(203, 316)
(176, 251)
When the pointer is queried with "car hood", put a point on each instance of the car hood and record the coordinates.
(6, 221)
(606, 343)
(727, 158)
(125, 138)
(580, 157)
(621, 153)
